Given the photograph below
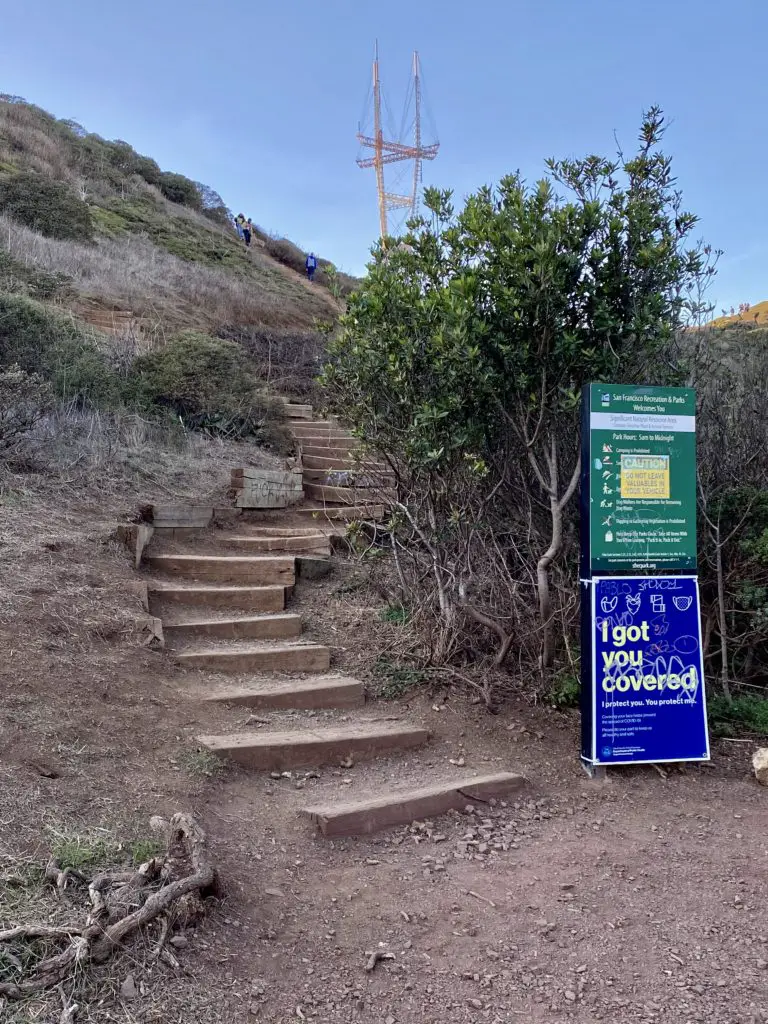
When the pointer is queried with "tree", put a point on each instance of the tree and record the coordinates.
(462, 356)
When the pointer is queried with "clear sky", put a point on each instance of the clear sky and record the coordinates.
(261, 99)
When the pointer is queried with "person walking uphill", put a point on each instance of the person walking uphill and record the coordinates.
(311, 265)
(247, 227)
(240, 224)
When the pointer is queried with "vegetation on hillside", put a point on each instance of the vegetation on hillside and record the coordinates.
(461, 360)
(89, 226)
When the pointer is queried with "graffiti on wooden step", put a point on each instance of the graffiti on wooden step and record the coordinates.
(266, 488)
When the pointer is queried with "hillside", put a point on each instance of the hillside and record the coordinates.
(757, 314)
(130, 252)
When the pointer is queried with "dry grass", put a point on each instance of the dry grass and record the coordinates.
(131, 273)
(95, 468)
(92, 741)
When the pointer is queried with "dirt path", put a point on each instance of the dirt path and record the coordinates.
(638, 899)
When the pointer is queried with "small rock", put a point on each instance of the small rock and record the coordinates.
(476, 1004)
(179, 941)
(570, 995)
(760, 764)
(128, 988)
(273, 891)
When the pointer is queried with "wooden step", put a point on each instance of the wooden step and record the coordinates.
(261, 569)
(251, 627)
(307, 530)
(323, 462)
(297, 411)
(305, 748)
(344, 442)
(247, 599)
(399, 808)
(320, 476)
(317, 692)
(325, 451)
(317, 543)
(345, 513)
(317, 429)
(343, 495)
(186, 516)
(261, 658)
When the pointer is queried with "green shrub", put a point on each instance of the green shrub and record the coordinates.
(47, 343)
(743, 714)
(179, 189)
(24, 399)
(396, 679)
(47, 206)
(565, 691)
(16, 276)
(205, 381)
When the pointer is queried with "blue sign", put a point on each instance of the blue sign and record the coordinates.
(648, 699)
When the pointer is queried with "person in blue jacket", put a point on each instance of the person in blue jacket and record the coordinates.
(311, 265)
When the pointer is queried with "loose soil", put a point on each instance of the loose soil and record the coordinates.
(641, 898)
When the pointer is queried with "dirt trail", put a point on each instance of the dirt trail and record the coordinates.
(638, 899)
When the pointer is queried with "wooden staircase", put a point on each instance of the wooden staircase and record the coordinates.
(225, 612)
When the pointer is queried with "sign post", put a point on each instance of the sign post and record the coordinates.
(642, 674)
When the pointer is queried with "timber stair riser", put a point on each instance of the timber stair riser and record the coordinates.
(341, 465)
(245, 599)
(301, 658)
(344, 444)
(318, 544)
(320, 450)
(333, 478)
(264, 570)
(266, 627)
(399, 808)
(342, 513)
(344, 495)
(311, 748)
(303, 430)
(315, 693)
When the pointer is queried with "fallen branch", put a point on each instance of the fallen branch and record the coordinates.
(185, 876)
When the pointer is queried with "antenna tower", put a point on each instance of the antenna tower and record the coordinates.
(390, 152)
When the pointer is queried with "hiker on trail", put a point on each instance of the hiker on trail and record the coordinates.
(247, 228)
(238, 227)
(311, 265)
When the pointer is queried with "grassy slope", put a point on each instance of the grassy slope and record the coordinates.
(757, 314)
(155, 257)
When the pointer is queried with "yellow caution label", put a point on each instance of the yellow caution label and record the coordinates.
(644, 476)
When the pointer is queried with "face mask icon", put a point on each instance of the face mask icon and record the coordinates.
(682, 603)
(608, 604)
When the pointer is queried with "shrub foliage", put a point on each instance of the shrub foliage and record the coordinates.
(47, 206)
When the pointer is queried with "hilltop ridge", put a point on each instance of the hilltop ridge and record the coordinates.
(757, 314)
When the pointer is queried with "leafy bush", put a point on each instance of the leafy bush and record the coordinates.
(396, 679)
(179, 189)
(43, 342)
(16, 276)
(565, 691)
(207, 382)
(47, 206)
(743, 714)
(24, 399)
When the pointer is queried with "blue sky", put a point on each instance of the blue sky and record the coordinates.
(261, 100)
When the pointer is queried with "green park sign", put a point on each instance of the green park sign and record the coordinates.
(642, 478)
